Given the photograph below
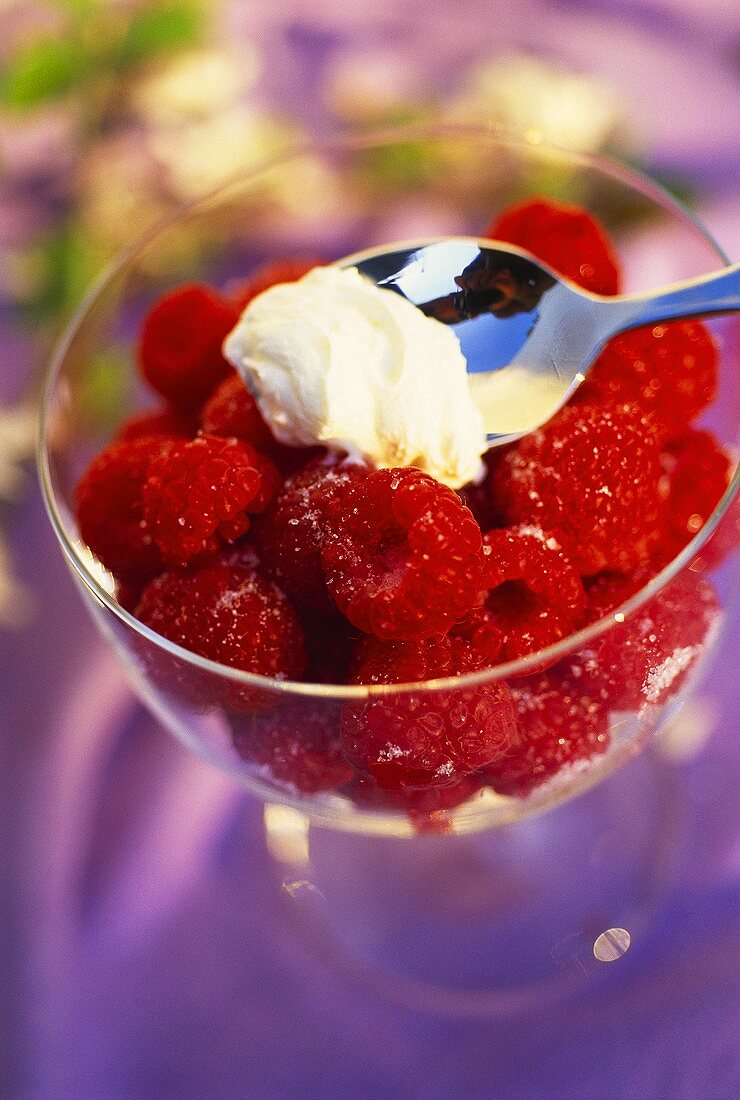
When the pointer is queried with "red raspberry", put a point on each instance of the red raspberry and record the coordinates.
(231, 411)
(180, 344)
(426, 738)
(536, 595)
(590, 476)
(427, 809)
(199, 493)
(270, 274)
(331, 644)
(481, 629)
(229, 613)
(110, 508)
(608, 591)
(478, 498)
(291, 532)
(297, 744)
(163, 422)
(647, 657)
(567, 238)
(697, 472)
(403, 556)
(668, 372)
(559, 724)
(128, 594)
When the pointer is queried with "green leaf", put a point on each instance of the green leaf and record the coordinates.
(67, 262)
(105, 388)
(44, 71)
(160, 29)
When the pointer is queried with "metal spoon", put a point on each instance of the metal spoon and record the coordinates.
(529, 336)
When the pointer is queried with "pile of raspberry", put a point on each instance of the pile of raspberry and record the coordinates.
(296, 564)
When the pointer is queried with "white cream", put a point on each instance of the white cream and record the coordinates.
(334, 359)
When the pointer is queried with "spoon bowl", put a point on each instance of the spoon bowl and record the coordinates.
(529, 336)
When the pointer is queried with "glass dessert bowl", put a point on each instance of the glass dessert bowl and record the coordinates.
(593, 698)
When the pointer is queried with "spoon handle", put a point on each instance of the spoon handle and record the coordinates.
(718, 292)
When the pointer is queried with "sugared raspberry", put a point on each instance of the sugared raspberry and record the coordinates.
(199, 492)
(425, 738)
(403, 556)
(559, 724)
(481, 629)
(535, 594)
(166, 422)
(231, 411)
(110, 507)
(607, 591)
(696, 474)
(290, 533)
(647, 657)
(590, 476)
(228, 613)
(270, 274)
(566, 237)
(297, 743)
(180, 344)
(668, 372)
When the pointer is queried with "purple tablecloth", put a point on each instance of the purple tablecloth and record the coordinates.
(147, 952)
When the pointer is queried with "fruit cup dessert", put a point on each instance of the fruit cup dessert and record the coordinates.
(363, 536)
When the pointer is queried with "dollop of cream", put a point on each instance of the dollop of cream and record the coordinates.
(336, 360)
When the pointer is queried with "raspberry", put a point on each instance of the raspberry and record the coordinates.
(608, 591)
(477, 497)
(647, 657)
(110, 508)
(297, 744)
(427, 809)
(270, 274)
(166, 422)
(199, 492)
(668, 372)
(180, 344)
(558, 724)
(535, 593)
(567, 238)
(403, 556)
(481, 629)
(229, 613)
(426, 738)
(231, 411)
(331, 643)
(128, 594)
(590, 477)
(290, 533)
(697, 472)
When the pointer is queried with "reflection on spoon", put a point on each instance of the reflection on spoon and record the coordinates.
(528, 336)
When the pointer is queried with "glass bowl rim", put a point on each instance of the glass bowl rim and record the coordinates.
(375, 138)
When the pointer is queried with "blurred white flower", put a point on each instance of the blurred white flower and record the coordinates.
(528, 96)
(196, 86)
(17, 442)
(120, 192)
(368, 86)
(17, 603)
(199, 157)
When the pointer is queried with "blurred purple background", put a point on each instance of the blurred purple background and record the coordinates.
(145, 951)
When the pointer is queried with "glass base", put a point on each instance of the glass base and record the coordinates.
(492, 922)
